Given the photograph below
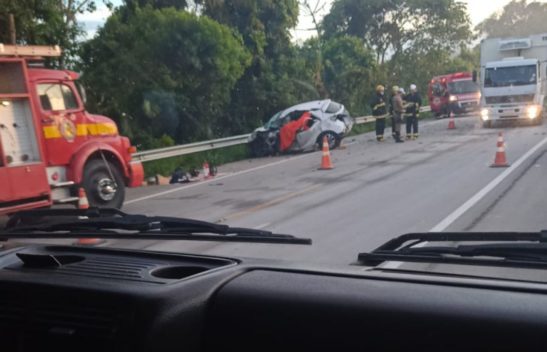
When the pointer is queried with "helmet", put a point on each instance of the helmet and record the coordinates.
(395, 89)
(413, 87)
(379, 88)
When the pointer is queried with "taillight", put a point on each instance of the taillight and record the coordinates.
(132, 150)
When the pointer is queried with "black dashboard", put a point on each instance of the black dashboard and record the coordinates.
(99, 299)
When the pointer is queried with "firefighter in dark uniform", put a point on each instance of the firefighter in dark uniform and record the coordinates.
(394, 92)
(413, 104)
(379, 111)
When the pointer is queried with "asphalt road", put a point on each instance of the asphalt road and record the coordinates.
(376, 191)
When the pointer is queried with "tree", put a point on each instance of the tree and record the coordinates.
(48, 22)
(345, 67)
(171, 71)
(518, 18)
(391, 27)
(274, 80)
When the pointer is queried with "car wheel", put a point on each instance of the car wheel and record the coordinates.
(103, 184)
(332, 139)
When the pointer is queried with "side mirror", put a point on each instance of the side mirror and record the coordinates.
(475, 76)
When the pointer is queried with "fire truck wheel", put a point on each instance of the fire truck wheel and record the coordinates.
(101, 190)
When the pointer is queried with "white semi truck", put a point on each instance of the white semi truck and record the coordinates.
(513, 79)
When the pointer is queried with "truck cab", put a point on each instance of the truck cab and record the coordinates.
(50, 146)
(513, 87)
(456, 92)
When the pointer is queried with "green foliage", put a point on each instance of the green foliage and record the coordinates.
(392, 27)
(166, 167)
(171, 71)
(348, 70)
(47, 22)
(518, 18)
(275, 78)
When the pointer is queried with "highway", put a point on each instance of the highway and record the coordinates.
(376, 191)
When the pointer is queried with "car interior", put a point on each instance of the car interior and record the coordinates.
(69, 298)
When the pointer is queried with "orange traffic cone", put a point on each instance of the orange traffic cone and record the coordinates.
(206, 170)
(326, 163)
(84, 204)
(82, 199)
(451, 122)
(500, 160)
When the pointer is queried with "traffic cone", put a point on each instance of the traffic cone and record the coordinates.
(326, 163)
(451, 122)
(206, 171)
(500, 160)
(83, 203)
(82, 199)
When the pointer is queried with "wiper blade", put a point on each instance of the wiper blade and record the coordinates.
(115, 224)
(514, 249)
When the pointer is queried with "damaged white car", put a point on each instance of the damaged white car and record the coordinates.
(301, 128)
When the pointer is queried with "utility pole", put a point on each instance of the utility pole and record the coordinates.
(12, 33)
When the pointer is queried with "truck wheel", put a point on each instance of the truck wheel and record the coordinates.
(101, 190)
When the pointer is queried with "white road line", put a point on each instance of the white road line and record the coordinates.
(182, 188)
(443, 225)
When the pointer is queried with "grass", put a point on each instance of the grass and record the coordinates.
(215, 157)
(221, 156)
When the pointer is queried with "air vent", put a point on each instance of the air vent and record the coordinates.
(112, 268)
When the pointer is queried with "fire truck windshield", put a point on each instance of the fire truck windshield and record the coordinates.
(463, 87)
(510, 76)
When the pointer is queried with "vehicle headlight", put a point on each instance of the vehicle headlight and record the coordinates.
(532, 112)
(484, 114)
(452, 98)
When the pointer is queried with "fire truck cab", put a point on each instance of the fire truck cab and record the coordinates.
(456, 92)
(50, 146)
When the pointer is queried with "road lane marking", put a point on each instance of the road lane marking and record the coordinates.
(446, 222)
(238, 173)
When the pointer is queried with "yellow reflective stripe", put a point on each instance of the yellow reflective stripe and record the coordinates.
(83, 129)
(51, 132)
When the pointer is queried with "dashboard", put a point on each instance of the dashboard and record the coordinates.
(64, 298)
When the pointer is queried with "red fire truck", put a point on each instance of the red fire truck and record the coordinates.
(456, 92)
(50, 146)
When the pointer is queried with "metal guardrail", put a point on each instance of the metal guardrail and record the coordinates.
(178, 150)
(185, 149)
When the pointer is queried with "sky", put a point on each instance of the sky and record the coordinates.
(478, 11)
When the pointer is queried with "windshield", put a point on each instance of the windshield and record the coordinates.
(274, 122)
(510, 76)
(463, 87)
(364, 137)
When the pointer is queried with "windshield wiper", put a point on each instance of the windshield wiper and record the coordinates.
(115, 224)
(508, 249)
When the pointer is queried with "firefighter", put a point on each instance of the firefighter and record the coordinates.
(414, 101)
(394, 91)
(379, 111)
(398, 111)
